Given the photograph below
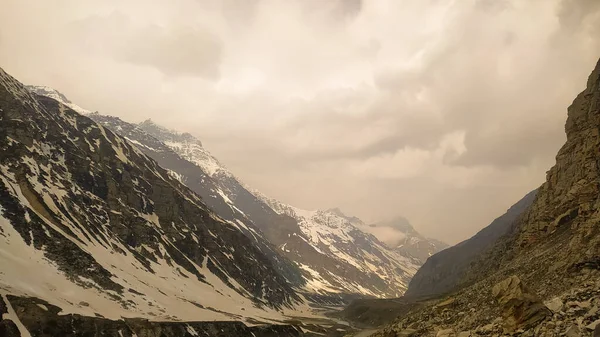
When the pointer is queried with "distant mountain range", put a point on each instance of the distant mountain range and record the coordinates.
(323, 245)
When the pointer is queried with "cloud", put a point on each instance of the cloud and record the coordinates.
(573, 14)
(176, 51)
(172, 48)
(446, 112)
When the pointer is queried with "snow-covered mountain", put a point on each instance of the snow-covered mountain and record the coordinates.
(354, 253)
(320, 253)
(94, 226)
(56, 95)
(400, 234)
(335, 257)
(197, 179)
(330, 254)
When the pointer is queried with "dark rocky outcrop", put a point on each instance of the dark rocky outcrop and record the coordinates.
(9, 329)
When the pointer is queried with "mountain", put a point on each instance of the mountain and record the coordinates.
(198, 180)
(332, 258)
(56, 95)
(346, 258)
(400, 234)
(445, 270)
(542, 278)
(92, 225)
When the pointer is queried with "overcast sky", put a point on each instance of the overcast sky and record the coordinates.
(445, 112)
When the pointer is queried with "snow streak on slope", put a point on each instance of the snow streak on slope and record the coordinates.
(91, 224)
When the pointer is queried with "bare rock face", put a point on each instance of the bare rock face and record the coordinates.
(568, 202)
(520, 307)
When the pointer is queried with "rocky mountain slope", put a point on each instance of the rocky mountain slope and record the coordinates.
(209, 188)
(541, 278)
(92, 225)
(444, 270)
(401, 235)
(332, 258)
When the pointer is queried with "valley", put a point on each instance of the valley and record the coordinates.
(229, 183)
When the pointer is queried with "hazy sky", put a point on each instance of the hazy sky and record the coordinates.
(445, 112)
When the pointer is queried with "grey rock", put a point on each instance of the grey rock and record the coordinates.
(592, 326)
(520, 307)
(592, 311)
(554, 304)
(486, 328)
(573, 331)
(407, 333)
(446, 333)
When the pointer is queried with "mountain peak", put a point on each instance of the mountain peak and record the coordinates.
(162, 132)
(336, 211)
(43, 90)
